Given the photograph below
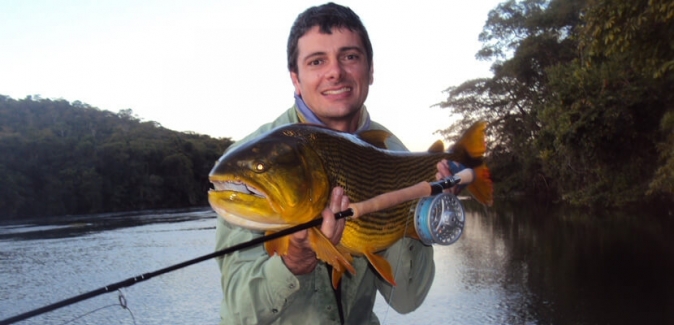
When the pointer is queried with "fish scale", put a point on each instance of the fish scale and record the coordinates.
(364, 172)
(283, 178)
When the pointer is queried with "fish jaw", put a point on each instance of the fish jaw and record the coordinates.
(274, 180)
(240, 220)
(245, 204)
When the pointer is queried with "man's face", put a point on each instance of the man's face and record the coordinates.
(332, 76)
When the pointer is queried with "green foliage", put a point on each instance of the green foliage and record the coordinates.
(60, 158)
(602, 148)
(531, 36)
(580, 103)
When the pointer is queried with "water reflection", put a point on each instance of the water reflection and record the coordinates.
(516, 263)
(74, 226)
(523, 263)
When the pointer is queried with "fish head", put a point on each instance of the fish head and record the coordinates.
(270, 183)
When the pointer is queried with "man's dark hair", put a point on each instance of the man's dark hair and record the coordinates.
(327, 17)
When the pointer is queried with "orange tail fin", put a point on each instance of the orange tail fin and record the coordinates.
(482, 188)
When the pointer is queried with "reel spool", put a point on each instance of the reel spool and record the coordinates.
(439, 219)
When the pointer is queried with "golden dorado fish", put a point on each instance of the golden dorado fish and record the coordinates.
(284, 178)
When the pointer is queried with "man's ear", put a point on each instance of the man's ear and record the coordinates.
(296, 83)
(371, 73)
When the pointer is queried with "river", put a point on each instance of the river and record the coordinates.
(516, 263)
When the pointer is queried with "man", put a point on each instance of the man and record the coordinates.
(330, 65)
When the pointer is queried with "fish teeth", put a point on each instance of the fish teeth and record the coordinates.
(237, 186)
(253, 191)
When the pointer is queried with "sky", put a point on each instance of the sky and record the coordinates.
(219, 67)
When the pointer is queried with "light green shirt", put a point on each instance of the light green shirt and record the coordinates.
(258, 289)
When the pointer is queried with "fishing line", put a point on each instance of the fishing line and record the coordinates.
(122, 303)
(146, 276)
(395, 276)
(356, 210)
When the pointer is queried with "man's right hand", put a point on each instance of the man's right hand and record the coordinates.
(301, 259)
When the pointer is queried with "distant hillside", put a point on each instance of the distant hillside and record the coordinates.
(60, 158)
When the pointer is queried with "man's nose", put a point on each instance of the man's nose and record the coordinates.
(335, 70)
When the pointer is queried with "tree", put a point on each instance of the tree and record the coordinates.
(607, 113)
(60, 158)
(524, 38)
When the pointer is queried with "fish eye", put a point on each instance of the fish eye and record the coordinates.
(259, 167)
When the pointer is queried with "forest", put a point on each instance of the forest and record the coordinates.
(579, 105)
(61, 158)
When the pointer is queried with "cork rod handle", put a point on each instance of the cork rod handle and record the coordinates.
(391, 199)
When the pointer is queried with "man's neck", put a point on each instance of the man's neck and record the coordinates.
(345, 125)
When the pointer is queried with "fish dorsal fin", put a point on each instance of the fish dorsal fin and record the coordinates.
(376, 138)
(437, 146)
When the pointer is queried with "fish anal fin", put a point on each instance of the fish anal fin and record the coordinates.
(278, 246)
(437, 146)
(327, 252)
(381, 265)
(412, 233)
(376, 138)
(482, 188)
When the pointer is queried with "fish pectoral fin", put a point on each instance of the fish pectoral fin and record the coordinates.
(336, 277)
(327, 252)
(278, 246)
(336, 274)
(381, 265)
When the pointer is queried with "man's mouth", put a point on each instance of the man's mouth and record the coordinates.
(337, 91)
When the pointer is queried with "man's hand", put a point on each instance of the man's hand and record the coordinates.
(301, 259)
(444, 172)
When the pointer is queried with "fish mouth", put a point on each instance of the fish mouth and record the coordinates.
(249, 224)
(233, 200)
(238, 186)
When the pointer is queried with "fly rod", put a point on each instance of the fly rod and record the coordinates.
(355, 210)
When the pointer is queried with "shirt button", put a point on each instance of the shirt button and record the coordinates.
(291, 286)
(274, 310)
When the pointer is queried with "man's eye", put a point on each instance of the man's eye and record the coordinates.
(351, 57)
(315, 62)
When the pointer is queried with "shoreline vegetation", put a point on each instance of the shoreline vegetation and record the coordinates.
(61, 158)
(580, 111)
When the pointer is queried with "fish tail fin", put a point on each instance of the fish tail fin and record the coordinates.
(470, 150)
(482, 188)
(471, 145)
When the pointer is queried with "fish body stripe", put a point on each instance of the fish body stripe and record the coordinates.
(365, 172)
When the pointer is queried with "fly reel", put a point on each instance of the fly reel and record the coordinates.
(439, 219)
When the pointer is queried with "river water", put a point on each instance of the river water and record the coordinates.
(516, 263)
